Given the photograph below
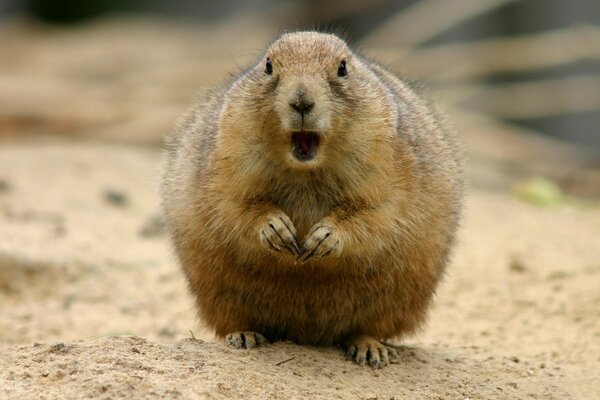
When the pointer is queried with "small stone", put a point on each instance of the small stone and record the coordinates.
(167, 331)
(153, 227)
(115, 197)
(5, 186)
(517, 265)
(60, 348)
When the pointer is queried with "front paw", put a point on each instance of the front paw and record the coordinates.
(278, 233)
(323, 240)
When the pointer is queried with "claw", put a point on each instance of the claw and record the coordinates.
(279, 233)
(245, 340)
(306, 255)
(270, 243)
(322, 241)
(365, 349)
(352, 351)
(292, 230)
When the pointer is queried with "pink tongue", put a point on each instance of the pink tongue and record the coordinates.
(305, 144)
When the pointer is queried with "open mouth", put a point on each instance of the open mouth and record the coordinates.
(305, 145)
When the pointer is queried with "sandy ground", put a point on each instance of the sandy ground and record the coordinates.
(93, 305)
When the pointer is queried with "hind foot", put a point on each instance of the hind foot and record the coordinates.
(366, 349)
(245, 340)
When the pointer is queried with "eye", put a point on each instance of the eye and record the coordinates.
(342, 71)
(269, 67)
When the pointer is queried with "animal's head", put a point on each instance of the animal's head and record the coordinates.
(312, 97)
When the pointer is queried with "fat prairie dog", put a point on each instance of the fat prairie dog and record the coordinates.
(314, 198)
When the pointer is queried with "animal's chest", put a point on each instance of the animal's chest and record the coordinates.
(305, 209)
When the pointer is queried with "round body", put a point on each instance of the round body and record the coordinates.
(313, 198)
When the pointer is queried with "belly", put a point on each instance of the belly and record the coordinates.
(312, 306)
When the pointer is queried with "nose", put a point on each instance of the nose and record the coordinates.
(302, 105)
(300, 102)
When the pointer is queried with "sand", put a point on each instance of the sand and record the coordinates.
(92, 304)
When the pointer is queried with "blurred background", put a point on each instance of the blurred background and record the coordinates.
(522, 78)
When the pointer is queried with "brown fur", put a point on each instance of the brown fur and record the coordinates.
(386, 184)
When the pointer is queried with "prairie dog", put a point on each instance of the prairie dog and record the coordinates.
(313, 198)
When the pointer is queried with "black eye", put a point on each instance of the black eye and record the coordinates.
(269, 67)
(342, 71)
